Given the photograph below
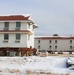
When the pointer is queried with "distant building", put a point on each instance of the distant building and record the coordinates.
(16, 33)
(55, 43)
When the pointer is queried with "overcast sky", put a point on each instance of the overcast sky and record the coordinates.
(52, 16)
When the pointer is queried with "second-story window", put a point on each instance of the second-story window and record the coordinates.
(38, 41)
(18, 25)
(55, 41)
(6, 25)
(70, 41)
(49, 41)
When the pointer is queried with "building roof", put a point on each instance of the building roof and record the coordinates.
(14, 17)
(54, 37)
(18, 17)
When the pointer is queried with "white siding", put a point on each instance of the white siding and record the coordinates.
(24, 26)
(12, 25)
(1, 25)
(62, 44)
(24, 42)
(11, 42)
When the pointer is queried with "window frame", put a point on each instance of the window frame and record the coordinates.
(18, 24)
(56, 47)
(39, 41)
(38, 46)
(18, 36)
(6, 25)
(55, 41)
(6, 36)
(70, 41)
(71, 47)
(50, 41)
(50, 47)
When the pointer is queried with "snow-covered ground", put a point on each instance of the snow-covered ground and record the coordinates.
(34, 65)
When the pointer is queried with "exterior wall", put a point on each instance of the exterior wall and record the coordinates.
(12, 25)
(1, 25)
(24, 26)
(24, 42)
(30, 28)
(11, 42)
(30, 40)
(62, 44)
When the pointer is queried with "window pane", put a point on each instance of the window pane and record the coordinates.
(6, 36)
(70, 47)
(49, 47)
(55, 41)
(49, 41)
(18, 24)
(39, 47)
(38, 41)
(70, 41)
(6, 24)
(17, 36)
(55, 47)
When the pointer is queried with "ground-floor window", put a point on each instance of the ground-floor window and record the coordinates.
(17, 36)
(6, 36)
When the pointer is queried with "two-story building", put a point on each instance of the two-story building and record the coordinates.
(55, 43)
(16, 34)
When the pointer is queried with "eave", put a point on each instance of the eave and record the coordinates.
(16, 31)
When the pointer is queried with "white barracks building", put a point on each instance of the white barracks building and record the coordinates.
(55, 43)
(16, 33)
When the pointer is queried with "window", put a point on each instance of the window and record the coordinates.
(38, 41)
(6, 25)
(49, 47)
(6, 36)
(70, 47)
(55, 47)
(49, 41)
(70, 41)
(39, 47)
(18, 25)
(17, 36)
(55, 41)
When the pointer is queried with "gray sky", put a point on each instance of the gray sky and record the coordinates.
(52, 16)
